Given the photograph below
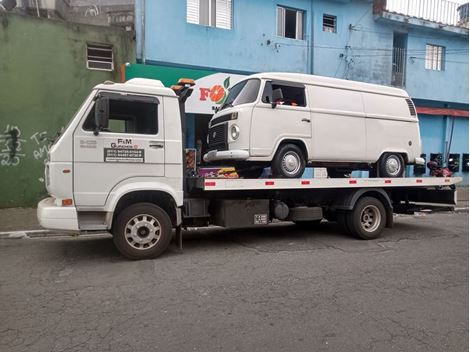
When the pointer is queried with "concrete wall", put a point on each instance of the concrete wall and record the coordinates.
(43, 79)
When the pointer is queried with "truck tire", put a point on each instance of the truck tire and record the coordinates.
(368, 218)
(289, 162)
(341, 217)
(391, 165)
(142, 231)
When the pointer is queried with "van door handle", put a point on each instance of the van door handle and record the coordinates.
(305, 120)
(156, 145)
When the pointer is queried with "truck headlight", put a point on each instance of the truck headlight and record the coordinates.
(234, 132)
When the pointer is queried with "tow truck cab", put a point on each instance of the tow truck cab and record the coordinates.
(91, 168)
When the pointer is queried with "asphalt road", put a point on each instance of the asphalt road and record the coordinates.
(278, 288)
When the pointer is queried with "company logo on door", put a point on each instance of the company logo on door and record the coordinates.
(123, 151)
(124, 143)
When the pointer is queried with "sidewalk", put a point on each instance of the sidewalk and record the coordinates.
(24, 219)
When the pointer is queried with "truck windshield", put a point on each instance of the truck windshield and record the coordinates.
(242, 93)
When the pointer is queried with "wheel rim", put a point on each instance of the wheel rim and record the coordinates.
(143, 231)
(393, 165)
(291, 163)
(370, 218)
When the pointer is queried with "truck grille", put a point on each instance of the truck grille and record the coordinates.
(218, 137)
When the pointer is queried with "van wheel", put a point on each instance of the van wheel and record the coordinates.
(368, 218)
(142, 231)
(289, 162)
(391, 165)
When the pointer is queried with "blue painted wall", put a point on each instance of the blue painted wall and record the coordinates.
(360, 50)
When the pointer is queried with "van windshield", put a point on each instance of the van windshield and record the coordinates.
(242, 93)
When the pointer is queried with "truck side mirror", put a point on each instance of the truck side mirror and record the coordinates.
(277, 95)
(101, 114)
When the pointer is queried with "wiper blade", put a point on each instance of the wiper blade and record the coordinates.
(226, 105)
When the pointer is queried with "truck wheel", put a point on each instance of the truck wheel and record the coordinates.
(142, 231)
(341, 217)
(368, 218)
(289, 162)
(391, 165)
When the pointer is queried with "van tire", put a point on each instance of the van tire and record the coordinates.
(289, 162)
(391, 165)
(142, 231)
(368, 218)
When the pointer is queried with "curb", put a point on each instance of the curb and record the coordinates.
(25, 234)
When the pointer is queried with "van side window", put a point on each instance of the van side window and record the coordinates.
(128, 116)
(292, 95)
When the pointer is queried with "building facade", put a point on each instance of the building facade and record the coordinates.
(418, 45)
(47, 68)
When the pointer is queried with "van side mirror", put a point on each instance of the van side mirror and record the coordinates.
(277, 95)
(101, 114)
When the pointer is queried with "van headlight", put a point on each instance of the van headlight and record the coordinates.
(235, 132)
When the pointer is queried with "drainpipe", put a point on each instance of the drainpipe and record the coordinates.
(311, 37)
(142, 31)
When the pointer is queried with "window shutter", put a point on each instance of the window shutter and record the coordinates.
(281, 20)
(223, 14)
(192, 11)
(299, 31)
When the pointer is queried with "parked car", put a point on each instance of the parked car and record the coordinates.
(289, 120)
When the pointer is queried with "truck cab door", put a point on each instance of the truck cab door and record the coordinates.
(131, 145)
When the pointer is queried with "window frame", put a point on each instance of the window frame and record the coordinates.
(287, 84)
(435, 58)
(128, 98)
(102, 47)
(211, 15)
(335, 23)
(281, 30)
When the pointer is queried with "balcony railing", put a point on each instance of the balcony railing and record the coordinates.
(440, 11)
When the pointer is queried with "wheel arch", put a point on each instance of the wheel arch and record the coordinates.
(348, 201)
(160, 198)
(298, 142)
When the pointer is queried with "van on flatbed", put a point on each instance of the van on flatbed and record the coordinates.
(118, 167)
(291, 120)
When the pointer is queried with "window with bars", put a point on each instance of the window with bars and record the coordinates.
(100, 57)
(212, 13)
(329, 23)
(290, 23)
(435, 55)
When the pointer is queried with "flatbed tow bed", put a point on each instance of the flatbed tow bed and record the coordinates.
(362, 206)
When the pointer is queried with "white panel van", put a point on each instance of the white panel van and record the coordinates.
(289, 120)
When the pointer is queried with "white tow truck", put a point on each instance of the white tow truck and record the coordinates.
(119, 167)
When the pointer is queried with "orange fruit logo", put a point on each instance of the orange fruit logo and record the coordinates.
(217, 93)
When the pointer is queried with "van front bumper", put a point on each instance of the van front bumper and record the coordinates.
(419, 161)
(51, 216)
(215, 155)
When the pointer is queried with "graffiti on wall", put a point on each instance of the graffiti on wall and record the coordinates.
(12, 145)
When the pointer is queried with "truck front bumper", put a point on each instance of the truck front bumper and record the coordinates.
(215, 155)
(51, 216)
